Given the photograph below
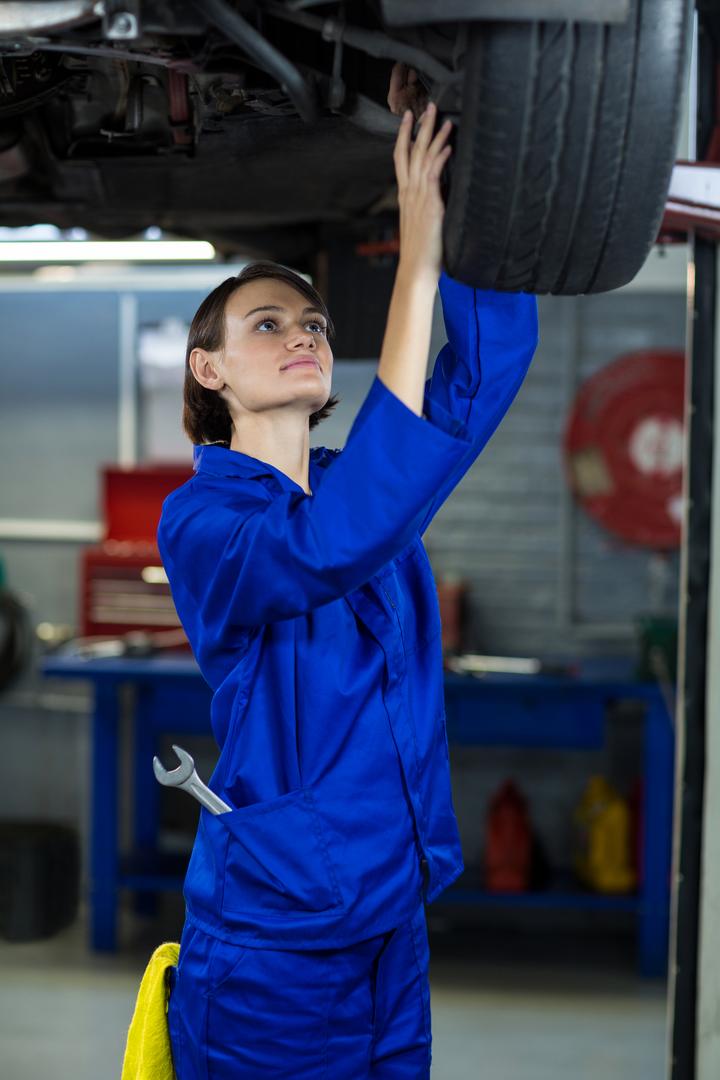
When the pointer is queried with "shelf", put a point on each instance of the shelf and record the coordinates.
(579, 900)
(563, 891)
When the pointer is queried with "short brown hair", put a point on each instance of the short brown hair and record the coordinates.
(206, 417)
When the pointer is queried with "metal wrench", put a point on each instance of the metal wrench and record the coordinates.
(187, 778)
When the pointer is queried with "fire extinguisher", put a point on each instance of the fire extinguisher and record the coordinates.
(509, 846)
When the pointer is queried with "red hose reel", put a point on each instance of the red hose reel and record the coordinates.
(624, 447)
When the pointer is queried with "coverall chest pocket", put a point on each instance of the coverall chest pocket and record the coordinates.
(277, 858)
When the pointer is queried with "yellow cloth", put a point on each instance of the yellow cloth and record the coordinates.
(148, 1054)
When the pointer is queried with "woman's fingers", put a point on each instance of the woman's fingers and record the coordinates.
(425, 157)
(424, 135)
(426, 147)
(418, 149)
(401, 153)
(437, 165)
(437, 144)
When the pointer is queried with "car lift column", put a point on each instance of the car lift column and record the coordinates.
(694, 979)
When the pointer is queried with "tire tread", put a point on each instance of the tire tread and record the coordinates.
(564, 150)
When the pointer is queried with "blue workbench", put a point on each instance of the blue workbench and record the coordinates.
(171, 697)
(544, 711)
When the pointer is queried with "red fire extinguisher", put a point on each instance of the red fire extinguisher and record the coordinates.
(508, 848)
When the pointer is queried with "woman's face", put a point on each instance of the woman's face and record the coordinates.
(276, 350)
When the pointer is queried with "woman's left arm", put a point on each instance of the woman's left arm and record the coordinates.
(492, 337)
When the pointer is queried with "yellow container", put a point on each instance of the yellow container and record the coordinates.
(603, 823)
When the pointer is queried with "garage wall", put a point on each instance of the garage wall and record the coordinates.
(543, 577)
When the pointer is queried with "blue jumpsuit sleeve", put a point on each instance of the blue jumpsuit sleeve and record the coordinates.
(239, 557)
(492, 338)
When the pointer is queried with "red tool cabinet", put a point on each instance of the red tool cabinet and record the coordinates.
(123, 585)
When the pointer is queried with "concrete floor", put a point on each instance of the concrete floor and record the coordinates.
(505, 1006)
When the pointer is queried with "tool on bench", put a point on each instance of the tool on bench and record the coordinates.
(187, 778)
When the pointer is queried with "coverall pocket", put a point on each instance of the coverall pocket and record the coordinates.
(223, 961)
(277, 858)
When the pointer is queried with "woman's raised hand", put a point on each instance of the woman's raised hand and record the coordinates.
(418, 165)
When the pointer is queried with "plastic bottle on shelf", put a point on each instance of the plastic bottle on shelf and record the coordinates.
(508, 848)
(604, 856)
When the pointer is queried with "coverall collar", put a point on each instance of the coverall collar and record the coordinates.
(222, 461)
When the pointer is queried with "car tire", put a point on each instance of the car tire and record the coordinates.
(564, 150)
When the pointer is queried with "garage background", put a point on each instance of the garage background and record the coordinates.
(543, 577)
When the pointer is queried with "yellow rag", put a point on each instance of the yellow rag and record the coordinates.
(148, 1053)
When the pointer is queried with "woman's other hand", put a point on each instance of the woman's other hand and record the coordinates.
(406, 91)
(418, 165)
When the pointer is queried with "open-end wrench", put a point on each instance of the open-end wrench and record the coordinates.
(187, 778)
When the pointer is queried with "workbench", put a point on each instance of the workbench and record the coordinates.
(171, 697)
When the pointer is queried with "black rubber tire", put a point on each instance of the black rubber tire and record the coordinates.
(564, 151)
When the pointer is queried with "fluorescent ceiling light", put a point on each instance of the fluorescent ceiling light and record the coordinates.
(62, 251)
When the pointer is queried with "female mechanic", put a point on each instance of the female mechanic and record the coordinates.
(303, 585)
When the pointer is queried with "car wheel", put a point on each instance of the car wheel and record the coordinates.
(564, 150)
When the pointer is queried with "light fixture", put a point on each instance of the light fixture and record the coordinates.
(63, 251)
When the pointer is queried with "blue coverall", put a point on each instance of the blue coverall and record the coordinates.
(315, 620)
